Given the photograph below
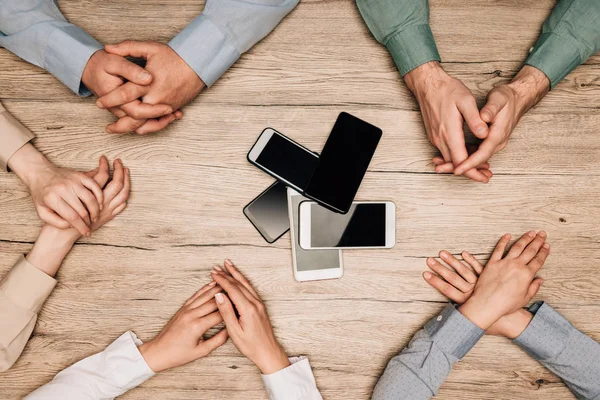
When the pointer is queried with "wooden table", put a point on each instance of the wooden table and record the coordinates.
(191, 181)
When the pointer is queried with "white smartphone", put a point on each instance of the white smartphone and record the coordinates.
(367, 225)
(284, 159)
(310, 265)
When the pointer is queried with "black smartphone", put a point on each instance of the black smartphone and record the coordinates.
(343, 163)
(284, 159)
(268, 212)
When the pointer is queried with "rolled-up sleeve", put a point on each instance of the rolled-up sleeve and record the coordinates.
(36, 31)
(23, 291)
(570, 36)
(13, 136)
(420, 369)
(225, 30)
(402, 26)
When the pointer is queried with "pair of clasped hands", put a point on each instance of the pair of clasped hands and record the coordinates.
(146, 99)
(446, 104)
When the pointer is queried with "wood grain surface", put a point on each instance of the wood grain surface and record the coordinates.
(191, 181)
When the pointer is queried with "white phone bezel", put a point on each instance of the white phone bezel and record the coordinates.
(259, 146)
(305, 226)
(314, 275)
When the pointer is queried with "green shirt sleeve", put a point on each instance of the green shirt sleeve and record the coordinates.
(402, 26)
(570, 35)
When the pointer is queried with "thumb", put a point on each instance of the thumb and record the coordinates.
(494, 104)
(469, 111)
(534, 287)
(228, 313)
(208, 346)
(131, 48)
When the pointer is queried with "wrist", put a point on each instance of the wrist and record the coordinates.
(530, 86)
(152, 356)
(275, 362)
(51, 248)
(516, 323)
(475, 311)
(27, 162)
(419, 78)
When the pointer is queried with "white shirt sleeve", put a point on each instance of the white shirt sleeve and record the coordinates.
(295, 382)
(106, 375)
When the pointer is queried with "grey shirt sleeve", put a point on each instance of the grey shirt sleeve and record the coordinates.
(421, 368)
(564, 350)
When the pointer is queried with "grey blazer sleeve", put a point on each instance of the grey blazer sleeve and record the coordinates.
(420, 369)
(564, 350)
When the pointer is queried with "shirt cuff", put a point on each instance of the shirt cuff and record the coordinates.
(535, 339)
(294, 382)
(27, 286)
(412, 47)
(130, 368)
(453, 332)
(69, 50)
(555, 56)
(13, 136)
(205, 48)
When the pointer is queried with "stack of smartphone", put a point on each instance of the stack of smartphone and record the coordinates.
(314, 196)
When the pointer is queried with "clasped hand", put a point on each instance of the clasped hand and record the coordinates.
(146, 99)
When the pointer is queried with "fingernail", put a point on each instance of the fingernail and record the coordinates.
(219, 298)
(427, 275)
(216, 267)
(99, 104)
(531, 233)
(88, 234)
(481, 131)
(430, 261)
(145, 76)
(542, 234)
(109, 130)
(443, 254)
(211, 284)
(95, 219)
(546, 246)
(228, 262)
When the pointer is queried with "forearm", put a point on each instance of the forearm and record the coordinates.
(570, 35)
(36, 31)
(226, 29)
(560, 347)
(530, 85)
(51, 247)
(420, 369)
(403, 27)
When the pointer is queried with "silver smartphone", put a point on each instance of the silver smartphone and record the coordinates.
(310, 265)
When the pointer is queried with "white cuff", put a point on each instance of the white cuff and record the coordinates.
(295, 382)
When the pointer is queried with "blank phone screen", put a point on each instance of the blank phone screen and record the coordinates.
(362, 226)
(290, 161)
(269, 212)
(343, 162)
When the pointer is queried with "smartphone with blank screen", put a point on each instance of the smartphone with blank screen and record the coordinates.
(268, 212)
(365, 225)
(343, 163)
(310, 265)
(284, 159)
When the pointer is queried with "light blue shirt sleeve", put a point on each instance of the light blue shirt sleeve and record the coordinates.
(225, 30)
(36, 31)
(420, 369)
